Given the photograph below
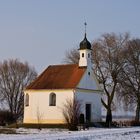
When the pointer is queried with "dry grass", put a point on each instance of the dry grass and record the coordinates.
(7, 131)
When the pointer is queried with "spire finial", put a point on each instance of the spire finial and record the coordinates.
(85, 28)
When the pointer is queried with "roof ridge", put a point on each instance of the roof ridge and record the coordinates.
(63, 65)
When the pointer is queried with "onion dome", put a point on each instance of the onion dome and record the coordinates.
(85, 44)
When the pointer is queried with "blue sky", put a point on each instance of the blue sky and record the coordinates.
(41, 31)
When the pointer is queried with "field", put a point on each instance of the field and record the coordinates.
(132, 133)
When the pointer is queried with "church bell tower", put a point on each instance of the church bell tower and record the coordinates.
(85, 52)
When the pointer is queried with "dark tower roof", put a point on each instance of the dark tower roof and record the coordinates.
(85, 44)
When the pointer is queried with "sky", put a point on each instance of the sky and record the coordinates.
(41, 31)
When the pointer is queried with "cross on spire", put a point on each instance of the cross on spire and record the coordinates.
(85, 27)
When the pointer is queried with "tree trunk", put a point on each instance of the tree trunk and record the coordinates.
(109, 117)
(137, 112)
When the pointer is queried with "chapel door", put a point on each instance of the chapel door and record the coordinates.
(88, 112)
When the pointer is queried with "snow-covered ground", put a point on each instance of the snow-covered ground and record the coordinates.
(59, 134)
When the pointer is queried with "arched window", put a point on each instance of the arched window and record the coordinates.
(52, 99)
(27, 100)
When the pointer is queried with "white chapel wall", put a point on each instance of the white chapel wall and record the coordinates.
(39, 105)
(89, 81)
(93, 98)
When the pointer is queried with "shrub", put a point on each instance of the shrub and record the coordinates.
(5, 117)
(71, 112)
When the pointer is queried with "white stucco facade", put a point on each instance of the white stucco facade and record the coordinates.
(94, 99)
(85, 58)
(88, 91)
(89, 81)
(39, 106)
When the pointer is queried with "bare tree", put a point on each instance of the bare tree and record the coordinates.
(14, 77)
(71, 111)
(130, 76)
(108, 62)
(39, 116)
(72, 56)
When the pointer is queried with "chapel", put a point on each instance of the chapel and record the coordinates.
(46, 95)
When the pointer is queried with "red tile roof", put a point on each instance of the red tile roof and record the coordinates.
(59, 77)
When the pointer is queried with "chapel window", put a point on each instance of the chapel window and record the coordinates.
(52, 99)
(27, 99)
(82, 54)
